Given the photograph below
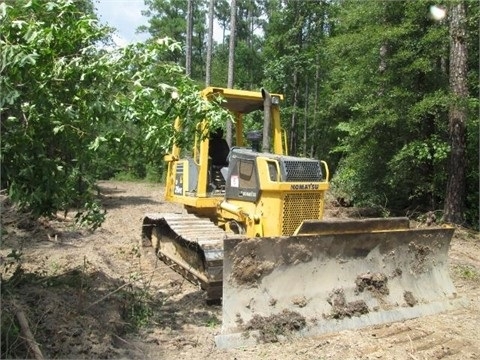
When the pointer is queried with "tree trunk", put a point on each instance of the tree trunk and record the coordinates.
(188, 56)
(293, 121)
(208, 73)
(27, 333)
(305, 123)
(315, 105)
(231, 60)
(315, 109)
(455, 196)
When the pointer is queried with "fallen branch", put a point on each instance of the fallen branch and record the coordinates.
(118, 289)
(152, 272)
(109, 294)
(129, 344)
(32, 344)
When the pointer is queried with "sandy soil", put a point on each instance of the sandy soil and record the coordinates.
(100, 295)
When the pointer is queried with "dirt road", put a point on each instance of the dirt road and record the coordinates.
(99, 295)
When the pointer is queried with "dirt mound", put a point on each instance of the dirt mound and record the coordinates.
(342, 309)
(74, 307)
(274, 327)
(58, 307)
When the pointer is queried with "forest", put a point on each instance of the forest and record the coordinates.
(387, 92)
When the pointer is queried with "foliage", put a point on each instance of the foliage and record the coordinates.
(293, 53)
(71, 108)
(91, 215)
(473, 167)
(168, 18)
(49, 108)
(391, 92)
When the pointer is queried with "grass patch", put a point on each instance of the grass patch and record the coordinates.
(467, 272)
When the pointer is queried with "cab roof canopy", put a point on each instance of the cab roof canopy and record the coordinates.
(238, 101)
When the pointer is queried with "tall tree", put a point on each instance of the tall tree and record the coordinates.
(248, 65)
(249, 43)
(455, 196)
(208, 72)
(231, 60)
(293, 46)
(222, 13)
(168, 18)
(394, 143)
(188, 46)
(381, 103)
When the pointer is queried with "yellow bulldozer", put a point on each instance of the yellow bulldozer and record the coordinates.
(253, 236)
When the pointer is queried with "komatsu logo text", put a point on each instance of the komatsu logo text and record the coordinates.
(304, 187)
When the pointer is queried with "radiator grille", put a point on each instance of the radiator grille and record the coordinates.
(298, 207)
(303, 170)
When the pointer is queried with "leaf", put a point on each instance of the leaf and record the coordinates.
(58, 129)
(18, 23)
(51, 5)
(96, 143)
(29, 59)
(3, 10)
(9, 98)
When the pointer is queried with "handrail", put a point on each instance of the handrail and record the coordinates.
(327, 171)
(285, 141)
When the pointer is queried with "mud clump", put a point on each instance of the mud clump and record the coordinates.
(396, 272)
(342, 308)
(300, 301)
(377, 283)
(249, 262)
(296, 253)
(275, 326)
(249, 271)
(409, 298)
(421, 254)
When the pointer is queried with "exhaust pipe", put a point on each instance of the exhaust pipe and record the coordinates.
(267, 119)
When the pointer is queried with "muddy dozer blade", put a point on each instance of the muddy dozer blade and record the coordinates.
(306, 285)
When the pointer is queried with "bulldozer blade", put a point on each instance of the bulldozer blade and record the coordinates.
(307, 285)
(342, 226)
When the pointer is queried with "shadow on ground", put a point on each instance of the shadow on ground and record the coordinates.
(111, 197)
